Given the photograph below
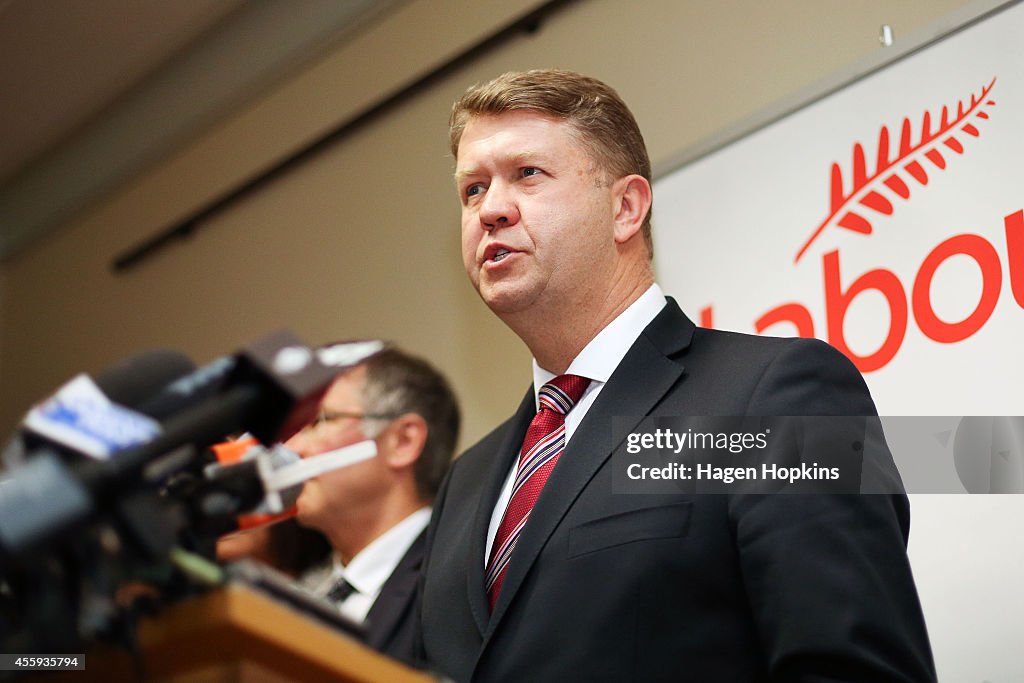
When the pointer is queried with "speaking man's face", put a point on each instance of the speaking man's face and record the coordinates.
(537, 213)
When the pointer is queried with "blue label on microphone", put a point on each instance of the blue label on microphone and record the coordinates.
(80, 417)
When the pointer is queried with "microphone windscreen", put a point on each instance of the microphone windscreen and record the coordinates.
(127, 383)
(189, 389)
(132, 381)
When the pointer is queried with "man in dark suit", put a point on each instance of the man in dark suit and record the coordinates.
(375, 512)
(536, 569)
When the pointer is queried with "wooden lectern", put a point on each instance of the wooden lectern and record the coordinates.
(236, 634)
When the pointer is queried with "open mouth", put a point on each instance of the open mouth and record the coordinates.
(500, 255)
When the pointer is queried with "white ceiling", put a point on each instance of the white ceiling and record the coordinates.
(80, 80)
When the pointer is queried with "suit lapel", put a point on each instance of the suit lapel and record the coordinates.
(641, 380)
(500, 465)
(396, 595)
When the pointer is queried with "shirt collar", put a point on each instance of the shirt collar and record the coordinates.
(604, 352)
(369, 569)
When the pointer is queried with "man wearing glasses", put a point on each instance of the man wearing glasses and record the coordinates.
(374, 512)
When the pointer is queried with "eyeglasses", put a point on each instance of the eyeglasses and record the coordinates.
(325, 416)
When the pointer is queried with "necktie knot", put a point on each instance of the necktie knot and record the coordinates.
(562, 393)
(340, 591)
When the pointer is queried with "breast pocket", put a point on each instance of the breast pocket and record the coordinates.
(664, 521)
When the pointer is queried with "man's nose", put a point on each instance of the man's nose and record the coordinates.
(499, 208)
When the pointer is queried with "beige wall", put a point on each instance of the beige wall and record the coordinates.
(363, 240)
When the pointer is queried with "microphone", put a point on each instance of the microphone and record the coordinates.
(271, 388)
(242, 457)
(251, 485)
(86, 417)
(70, 531)
(40, 495)
(136, 379)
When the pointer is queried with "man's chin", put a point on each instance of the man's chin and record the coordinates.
(505, 300)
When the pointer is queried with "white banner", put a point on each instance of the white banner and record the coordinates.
(886, 218)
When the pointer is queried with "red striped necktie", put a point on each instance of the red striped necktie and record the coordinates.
(544, 442)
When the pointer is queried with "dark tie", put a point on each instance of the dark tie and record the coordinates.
(544, 442)
(340, 592)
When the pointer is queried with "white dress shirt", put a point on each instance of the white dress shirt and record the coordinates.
(370, 569)
(597, 361)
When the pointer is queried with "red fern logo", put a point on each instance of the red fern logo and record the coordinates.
(866, 192)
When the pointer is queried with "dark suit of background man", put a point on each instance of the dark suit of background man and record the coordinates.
(375, 513)
(554, 182)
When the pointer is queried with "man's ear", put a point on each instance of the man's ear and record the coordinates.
(403, 440)
(633, 199)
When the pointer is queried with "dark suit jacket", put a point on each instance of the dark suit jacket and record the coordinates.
(677, 587)
(391, 622)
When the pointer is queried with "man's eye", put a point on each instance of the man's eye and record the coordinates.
(474, 190)
(530, 171)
